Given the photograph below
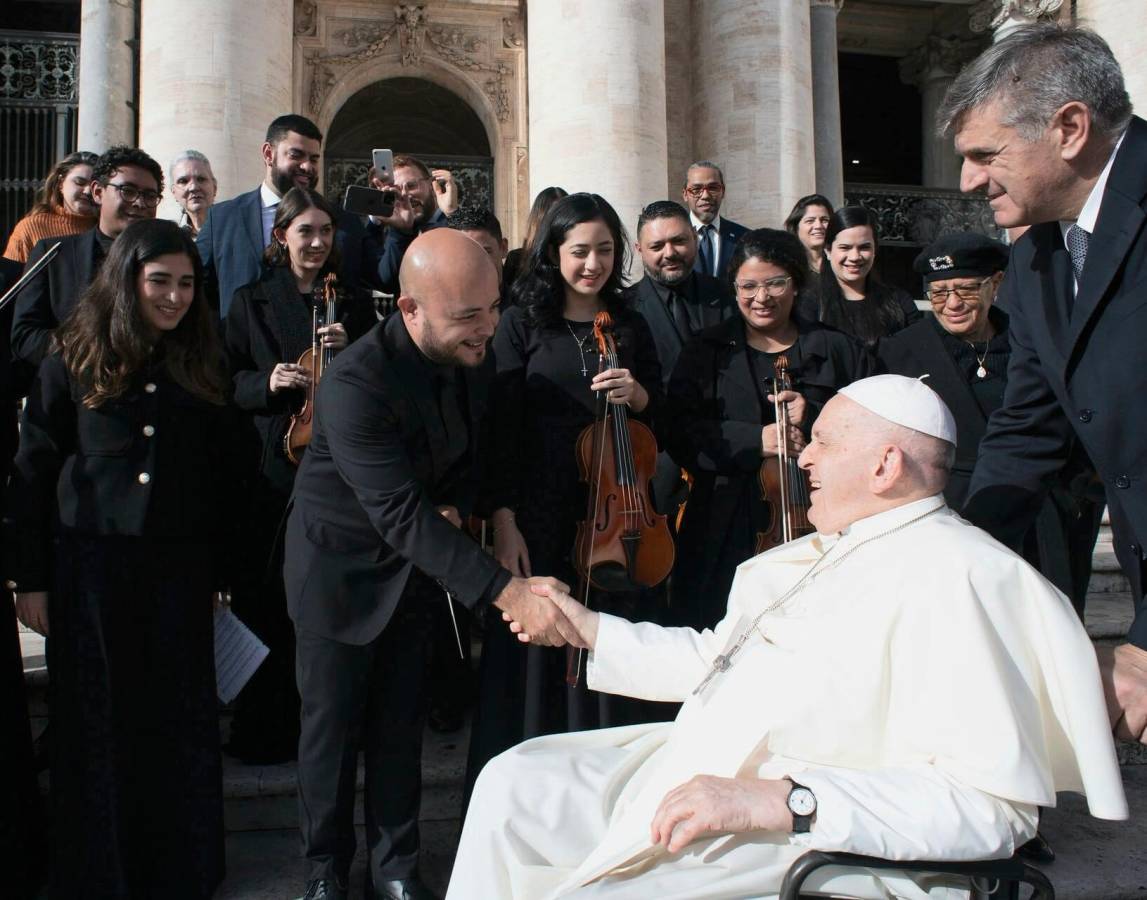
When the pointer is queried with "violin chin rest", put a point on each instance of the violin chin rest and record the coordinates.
(613, 577)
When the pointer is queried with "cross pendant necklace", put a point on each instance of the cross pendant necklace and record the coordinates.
(724, 661)
(580, 348)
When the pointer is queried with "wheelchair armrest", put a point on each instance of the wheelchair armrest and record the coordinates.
(1012, 870)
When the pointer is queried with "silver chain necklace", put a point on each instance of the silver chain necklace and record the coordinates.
(981, 372)
(580, 347)
(724, 661)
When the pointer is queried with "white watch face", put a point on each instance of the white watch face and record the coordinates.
(802, 802)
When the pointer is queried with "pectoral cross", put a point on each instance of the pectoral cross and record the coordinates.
(723, 663)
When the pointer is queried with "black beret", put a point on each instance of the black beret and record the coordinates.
(961, 254)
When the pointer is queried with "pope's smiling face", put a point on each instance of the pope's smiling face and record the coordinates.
(839, 460)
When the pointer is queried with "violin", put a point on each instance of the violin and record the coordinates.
(784, 485)
(623, 544)
(315, 360)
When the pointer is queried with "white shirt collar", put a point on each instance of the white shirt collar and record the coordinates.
(892, 518)
(697, 223)
(1089, 215)
(268, 196)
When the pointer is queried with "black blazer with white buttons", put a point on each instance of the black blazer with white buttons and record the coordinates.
(156, 461)
(1078, 372)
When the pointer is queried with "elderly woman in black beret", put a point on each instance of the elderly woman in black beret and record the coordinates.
(963, 347)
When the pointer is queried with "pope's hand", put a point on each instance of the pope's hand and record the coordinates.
(583, 620)
(706, 804)
(535, 619)
(1124, 671)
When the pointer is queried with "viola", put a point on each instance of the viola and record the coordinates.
(315, 360)
(623, 544)
(784, 485)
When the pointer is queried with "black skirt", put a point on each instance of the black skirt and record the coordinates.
(136, 777)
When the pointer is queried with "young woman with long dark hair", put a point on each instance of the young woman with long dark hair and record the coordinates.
(63, 206)
(851, 298)
(268, 327)
(117, 528)
(545, 393)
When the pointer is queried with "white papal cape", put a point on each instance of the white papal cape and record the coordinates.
(932, 690)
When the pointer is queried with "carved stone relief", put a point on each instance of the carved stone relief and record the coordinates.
(989, 15)
(411, 36)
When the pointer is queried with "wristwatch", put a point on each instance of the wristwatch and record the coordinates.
(802, 804)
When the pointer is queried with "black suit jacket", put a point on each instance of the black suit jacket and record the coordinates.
(919, 350)
(363, 509)
(730, 232)
(707, 304)
(1081, 372)
(231, 246)
(47, 299)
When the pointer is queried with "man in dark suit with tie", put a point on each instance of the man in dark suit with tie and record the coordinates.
(678, 302)
(1045, 127)
(237, 231)
(372, 543)
(127, 185)
(703, 193)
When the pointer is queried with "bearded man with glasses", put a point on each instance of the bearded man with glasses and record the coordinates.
(127, 186)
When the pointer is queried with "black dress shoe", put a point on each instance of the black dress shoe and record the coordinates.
(1037, 850)
(400, 889)
(324, 889)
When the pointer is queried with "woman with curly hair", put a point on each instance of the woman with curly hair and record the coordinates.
(116, 525)
(723, 421)
(545, 393)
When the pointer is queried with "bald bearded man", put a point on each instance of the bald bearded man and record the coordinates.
(898, 684)
(371, 544)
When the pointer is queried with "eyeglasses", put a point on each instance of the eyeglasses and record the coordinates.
(774, 287)
(130, 194)
(696, 190)
(966, 292)
(409, 188)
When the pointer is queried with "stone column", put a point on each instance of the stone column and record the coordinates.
(107, 74)
(1127, 37)
(597, 100)
(826, 99)
(752, 104)
(215, 95)
(932, 67)
(678, 93)
(1001, 17)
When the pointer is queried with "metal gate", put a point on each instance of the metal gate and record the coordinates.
(38, 100)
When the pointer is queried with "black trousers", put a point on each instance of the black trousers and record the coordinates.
(370, 697)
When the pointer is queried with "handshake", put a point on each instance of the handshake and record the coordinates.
(541, 611)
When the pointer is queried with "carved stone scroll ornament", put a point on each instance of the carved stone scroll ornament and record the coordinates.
(306, 18)
(937, 57)
(988, 15)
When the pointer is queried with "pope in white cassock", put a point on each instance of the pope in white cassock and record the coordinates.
(898, 684)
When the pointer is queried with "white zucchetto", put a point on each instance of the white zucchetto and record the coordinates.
(905, 401)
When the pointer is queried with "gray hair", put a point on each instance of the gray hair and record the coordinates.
(705, 164)
(1033, 72)
(188, 154)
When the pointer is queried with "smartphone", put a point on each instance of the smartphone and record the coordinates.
(383, 161)
(365, 201)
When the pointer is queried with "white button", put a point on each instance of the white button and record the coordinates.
(143, 478)
(148, 430)
(150, 387)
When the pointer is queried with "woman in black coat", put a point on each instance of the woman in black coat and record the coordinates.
(116, 536)
(546, 393)
(268, 327)
(849, 296)
(720, 422)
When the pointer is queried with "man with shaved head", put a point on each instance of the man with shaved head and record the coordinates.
(372, 544)
(897, 684)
